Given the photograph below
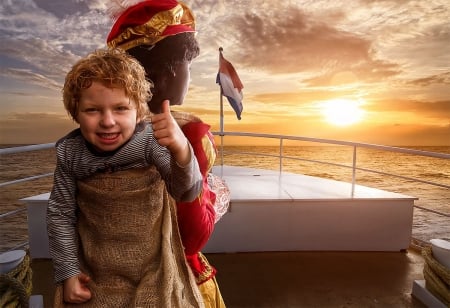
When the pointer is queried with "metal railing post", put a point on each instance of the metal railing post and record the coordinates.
(280, 168)
(354, 171)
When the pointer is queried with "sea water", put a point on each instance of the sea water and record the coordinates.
(332, 162)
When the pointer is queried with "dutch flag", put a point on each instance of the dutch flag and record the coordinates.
(230, 84)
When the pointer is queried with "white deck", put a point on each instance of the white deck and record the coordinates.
(248, 184)
(293, 212)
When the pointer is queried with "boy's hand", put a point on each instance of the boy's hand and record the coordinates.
(170, 135)
(76, 290)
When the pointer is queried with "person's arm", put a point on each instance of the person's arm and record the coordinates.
(196, 219)
(180, 171)
(61, 220)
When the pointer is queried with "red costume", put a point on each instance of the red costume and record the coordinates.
(196, 219)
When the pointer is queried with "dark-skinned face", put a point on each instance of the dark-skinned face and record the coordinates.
(173, 87)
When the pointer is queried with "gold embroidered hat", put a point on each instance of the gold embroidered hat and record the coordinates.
(148, 22)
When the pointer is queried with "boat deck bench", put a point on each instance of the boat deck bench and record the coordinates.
(292, 212)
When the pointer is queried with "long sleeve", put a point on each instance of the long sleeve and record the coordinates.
(61, 220)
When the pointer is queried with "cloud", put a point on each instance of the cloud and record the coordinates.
(376, 41)
(289, 54)
(424, 107)
(50, 37)
(410, 112)
(443, 78)
(41, 56)
(307, 98)
(31, 78)
(289, 40)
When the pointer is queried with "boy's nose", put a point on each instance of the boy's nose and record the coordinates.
(107, 119)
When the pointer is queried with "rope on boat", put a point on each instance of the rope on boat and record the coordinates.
(437, 276)
(16, 285)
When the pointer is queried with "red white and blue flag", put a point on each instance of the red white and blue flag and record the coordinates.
(230, 85)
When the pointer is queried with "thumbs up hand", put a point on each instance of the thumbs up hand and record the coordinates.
(170, 135)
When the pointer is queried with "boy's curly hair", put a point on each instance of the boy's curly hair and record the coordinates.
(113, 68)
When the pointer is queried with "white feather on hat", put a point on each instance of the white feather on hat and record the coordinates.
(115, 8)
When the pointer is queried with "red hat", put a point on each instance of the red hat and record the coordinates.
(150, 21)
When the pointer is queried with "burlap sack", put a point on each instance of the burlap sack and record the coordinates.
(130, 245)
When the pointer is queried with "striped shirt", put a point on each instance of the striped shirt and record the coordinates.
(76, 160)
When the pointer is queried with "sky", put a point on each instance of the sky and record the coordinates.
(355, 70)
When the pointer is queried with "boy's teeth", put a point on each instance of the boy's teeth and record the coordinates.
(108, 136)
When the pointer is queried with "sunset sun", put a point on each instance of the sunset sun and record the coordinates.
(342, 112)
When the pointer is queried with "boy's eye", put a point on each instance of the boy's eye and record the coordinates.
(90, 110)
(122, 108)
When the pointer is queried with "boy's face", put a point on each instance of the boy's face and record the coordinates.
(106, 116)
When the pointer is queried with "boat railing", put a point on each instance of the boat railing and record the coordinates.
(10, 214)
(281, 140)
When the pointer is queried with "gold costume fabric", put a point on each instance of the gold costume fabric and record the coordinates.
(211, 294)
(130, 244)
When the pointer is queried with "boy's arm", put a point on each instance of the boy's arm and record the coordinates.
(61, 220)
(181, 173)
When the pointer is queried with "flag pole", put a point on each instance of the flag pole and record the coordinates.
(221, 116)
(221, 99)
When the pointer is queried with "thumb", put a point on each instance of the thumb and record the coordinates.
(165, 108)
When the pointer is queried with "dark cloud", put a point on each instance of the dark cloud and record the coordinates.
(290, 41)
(40, 54)
(443, 78)
(31, 78)
(64, 8)
(370, 71)
(41, 40)
(42, 62)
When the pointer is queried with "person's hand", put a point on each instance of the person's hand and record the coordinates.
(170, 135)
(76, 290)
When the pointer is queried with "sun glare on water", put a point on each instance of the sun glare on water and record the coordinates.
(342, 112)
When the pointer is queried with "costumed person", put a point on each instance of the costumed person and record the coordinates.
(161, 36)
(112, 225)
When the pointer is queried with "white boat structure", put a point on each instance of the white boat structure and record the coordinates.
(292, 212)
(293, 240)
